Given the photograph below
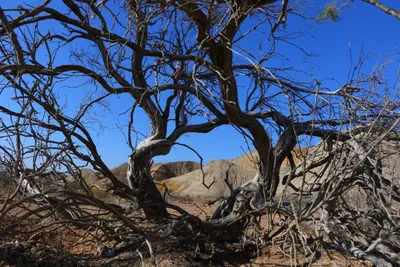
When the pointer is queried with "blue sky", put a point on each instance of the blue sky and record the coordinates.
(361, 27)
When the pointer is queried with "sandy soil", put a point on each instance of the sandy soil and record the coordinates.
(68, 246)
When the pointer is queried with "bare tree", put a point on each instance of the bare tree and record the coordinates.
(185, 71)
(121, 65)
(185, 65)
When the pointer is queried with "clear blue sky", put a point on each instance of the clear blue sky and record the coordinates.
(361, 25)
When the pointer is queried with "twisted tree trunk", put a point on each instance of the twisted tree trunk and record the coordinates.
(140, 180)
(254, 193)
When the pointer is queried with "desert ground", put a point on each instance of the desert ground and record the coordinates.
(68, 245)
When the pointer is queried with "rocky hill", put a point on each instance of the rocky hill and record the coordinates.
(159, 171)
(218, 177)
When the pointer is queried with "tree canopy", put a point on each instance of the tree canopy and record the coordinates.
(188, 67)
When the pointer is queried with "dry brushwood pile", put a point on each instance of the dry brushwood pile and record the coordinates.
(321, 188)
(344, 200)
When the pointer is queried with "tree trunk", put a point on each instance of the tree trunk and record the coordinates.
(283, 149)
(254, 193)
(140, 180)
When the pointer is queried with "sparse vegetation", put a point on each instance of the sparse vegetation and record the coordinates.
(330, 12)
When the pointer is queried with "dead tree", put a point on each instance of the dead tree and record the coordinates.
(169, 74)
(120, 66)
(182, 63)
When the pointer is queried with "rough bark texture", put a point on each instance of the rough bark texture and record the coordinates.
(140, 180)
(255, 192)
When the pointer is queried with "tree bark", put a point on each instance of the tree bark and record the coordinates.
(388, 10)
(254, 193)
(140, 180)
(139, 164)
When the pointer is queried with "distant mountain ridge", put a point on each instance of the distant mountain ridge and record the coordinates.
(184, 179)
(159, 171)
